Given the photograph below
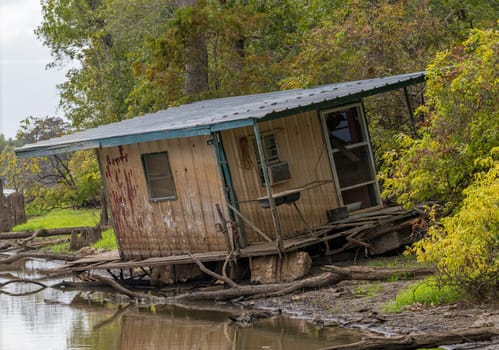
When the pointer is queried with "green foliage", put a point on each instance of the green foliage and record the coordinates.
(132, 55)
(460, 126)
(67, 180)
(428, 292)
(465, 246)
(455, 162)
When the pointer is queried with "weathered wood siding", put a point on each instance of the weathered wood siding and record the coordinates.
(146, 228)
(301, 144)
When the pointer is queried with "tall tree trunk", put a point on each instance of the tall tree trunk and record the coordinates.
(196, 53)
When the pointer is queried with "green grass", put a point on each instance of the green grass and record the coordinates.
(399, 261)
(108, 242)
(427, 292)
(69, 218)
(369, 290)
(61, 218)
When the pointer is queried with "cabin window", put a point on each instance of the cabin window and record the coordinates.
(159, 176)
(278, 170)
(351, 157)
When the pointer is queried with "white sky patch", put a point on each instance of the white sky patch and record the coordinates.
(26, 87)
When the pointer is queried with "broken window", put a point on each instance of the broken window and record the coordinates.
(159, 176)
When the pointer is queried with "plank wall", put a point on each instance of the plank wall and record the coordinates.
(146, 228)
(301, 144)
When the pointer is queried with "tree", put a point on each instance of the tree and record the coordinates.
(454, 161)
(67, 179)
(459, 127)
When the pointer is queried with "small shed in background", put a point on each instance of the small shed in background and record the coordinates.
(276, 165)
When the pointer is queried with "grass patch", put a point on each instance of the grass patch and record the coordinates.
(399, 262)
(107, 242)
(367, 290)
(59, 218)
(428, 292)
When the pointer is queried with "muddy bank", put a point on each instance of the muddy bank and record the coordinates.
(359, 304)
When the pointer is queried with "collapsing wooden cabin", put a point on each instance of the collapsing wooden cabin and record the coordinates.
(174, 178)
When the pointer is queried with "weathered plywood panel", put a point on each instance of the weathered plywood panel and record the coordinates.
(161, 228)
(301, 144)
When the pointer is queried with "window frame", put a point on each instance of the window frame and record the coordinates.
(148, 178)
(270, 147)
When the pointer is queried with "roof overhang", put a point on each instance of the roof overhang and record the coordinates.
(209, 116)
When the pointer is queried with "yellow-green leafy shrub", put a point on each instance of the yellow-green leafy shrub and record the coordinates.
(465, 246)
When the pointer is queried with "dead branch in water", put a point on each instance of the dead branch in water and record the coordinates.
(115, 285)
(116, 315)
(421, 340)
(22, 280)
(214, 274)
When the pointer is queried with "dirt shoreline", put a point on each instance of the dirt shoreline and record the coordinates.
(359, 304)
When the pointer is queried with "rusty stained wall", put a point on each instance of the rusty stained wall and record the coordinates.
(147, 229)
(301, 144)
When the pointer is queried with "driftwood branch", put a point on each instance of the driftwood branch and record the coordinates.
(263, 290)
(23, 242)
(115, 285)
(421, 340)
(36, 255)
(214, 274)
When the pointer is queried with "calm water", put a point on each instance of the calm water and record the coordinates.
(53, 319)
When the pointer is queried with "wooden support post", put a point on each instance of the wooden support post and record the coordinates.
(263, 162)
(247, 221)
(411, 114)
(224, 229)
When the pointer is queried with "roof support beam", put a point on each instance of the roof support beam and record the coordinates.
(411, 114)
(275, 214)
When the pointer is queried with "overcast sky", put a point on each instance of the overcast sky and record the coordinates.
(26, 87)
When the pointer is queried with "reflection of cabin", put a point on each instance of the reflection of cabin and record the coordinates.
(176, 328)
(165, 172)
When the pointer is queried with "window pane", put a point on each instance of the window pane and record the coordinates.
(353, 166)
(344, 128)
(158, 175)
(360, 197)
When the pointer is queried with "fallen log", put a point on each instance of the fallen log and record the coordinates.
(43, 232)
(333, 275)
(375, 274)
(266, 290)
(36, 255)
(421, 340)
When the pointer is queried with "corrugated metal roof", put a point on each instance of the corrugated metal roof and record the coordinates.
(204, 117)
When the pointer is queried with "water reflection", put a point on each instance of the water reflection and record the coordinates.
(52, 319)
(178, 328)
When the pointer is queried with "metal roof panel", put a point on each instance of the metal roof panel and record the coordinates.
(202, 117)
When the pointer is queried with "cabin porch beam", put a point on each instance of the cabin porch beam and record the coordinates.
(275, 214)
(411, 113)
